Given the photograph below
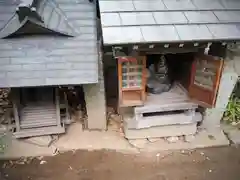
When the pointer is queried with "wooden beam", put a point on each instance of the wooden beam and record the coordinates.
(15, 100)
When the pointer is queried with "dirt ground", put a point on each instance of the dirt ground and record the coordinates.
(204, 164)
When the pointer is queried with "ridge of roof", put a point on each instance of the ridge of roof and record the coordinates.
(44, 13)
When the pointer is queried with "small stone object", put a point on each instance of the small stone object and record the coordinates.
(55, 151)
(189, 138)
(172, 139)
(43, 162)
(152, 140)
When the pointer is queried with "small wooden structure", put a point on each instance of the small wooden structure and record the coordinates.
(132, 80)
(203, 80)
(37, 111)
(42, 48)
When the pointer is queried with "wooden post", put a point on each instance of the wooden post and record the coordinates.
(57, 108)
(15, 101)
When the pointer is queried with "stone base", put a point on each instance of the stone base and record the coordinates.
(164, 120)
(233, 133)
(203, 139)
(160, 131)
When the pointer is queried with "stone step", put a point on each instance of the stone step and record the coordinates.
(162, 120)
(39, 131)
(160, 131)
(168, 106)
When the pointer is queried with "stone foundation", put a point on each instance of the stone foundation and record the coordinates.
(160, 131)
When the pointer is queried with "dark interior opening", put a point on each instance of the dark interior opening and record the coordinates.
(179, 66)
(163, 113)
(36, 95)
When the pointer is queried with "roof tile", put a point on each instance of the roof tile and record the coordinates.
(201, 17)
(120, 35)
(224, 31)
(208, 5)
(193, 32)
(179, 5)
(153, 5)
(110, 19)
(137, 18)
(159, 33)
(111, 6)
(170, 18)
(228, 16)
(231, 4)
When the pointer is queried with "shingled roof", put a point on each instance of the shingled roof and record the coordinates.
(63, 50)
(146, 21)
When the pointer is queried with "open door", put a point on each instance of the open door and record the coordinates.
(205, 78)
(132, 81)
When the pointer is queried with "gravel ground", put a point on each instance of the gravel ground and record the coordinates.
(203, 164)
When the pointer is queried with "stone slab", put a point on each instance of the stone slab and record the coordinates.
(233, 133)
(75, 138)
(169, 119)
(202, 140)
(160, 131)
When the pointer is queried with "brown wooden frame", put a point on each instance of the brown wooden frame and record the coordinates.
(140, 90)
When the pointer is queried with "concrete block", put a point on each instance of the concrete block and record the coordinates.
(160, 131)
(169, 119)
(232, 132)
(95, 102)
(96, 107)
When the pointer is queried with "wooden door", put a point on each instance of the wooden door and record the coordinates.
(205, 78)
(132, 80)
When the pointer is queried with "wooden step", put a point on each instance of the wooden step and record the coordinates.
(33, 116)
(39, 131)
(175, 99)
(36, 124)
(38, 116)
